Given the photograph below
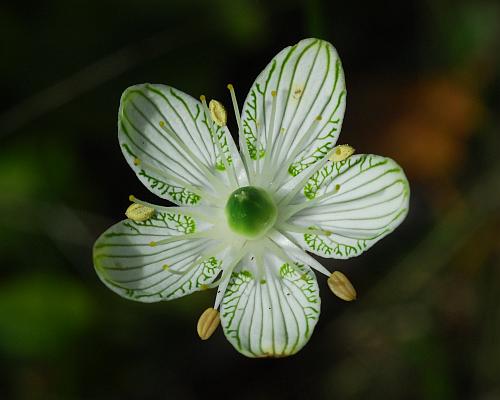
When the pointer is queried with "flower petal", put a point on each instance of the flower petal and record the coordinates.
(356, 203)
(308, 82)
(168, 141)
(271, 313)
(163, 258)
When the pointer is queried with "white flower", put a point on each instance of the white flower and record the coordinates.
(245, 221)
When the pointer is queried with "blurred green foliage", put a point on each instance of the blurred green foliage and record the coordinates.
(42, 315)
(423, 80)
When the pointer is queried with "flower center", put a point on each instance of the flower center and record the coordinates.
(250, 211)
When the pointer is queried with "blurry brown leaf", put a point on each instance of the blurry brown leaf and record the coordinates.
(423, 124)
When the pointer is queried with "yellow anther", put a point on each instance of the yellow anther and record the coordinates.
(341, 286)
(318, 118)
(166, 267)
(208, 323)
(139, 213)
(152, 244)
(337, 187)
(162, 124)
(273, 93)
(230, 86)
(282, 130)
(137, 161)
(202, 97)
(218, 112)
(131, 198)
(341, 153)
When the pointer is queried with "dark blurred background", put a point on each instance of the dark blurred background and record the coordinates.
(423, 83)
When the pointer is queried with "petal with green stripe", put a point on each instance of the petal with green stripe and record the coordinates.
(270, 310)
(302, 126)
(172, 146)
(355, 202)
(163, 258)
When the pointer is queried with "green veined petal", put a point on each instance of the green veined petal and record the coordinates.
(167, 140)
(356, 203)
(308, 81)
(163, 258)
(271, 313)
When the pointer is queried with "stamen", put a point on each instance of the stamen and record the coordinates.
(302, 179)
(246, 154)
(235, 105)
(226, 275)
(279, 252)
(222, 285)
(293, 209)
(312, 262)
(208, 323)
(218, 113)
(139, 213)
(302, 229)
(175, 272)
(341, 153)
(177, 238)
(298, 253)
(208, 215)
(213, 131)
(341, 286)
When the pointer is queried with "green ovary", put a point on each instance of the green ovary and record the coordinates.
(250, 211)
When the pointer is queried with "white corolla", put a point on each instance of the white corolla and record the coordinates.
(246, 220)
